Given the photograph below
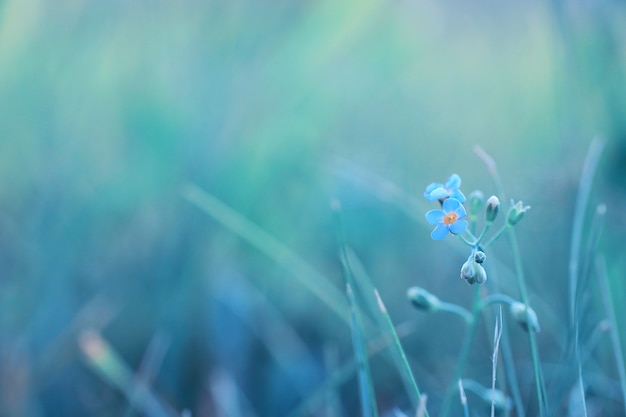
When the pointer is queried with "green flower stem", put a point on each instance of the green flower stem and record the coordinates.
(465, 240)
(482, 234)
(496, 299)
(496, 236)
(534, 350)
(470, 335)
(539, 380)
(456, 309)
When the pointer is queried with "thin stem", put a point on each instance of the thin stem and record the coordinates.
(399, 349)
(610, 311)
(456, 309)
(539, 380)
(483, 233)
(366, 384)
(463, 398)
(534, 350)
(465, 240)
(496, 236)
(584, 189)
(496, 299)
(464, 354)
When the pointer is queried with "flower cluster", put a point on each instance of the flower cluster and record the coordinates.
(453, 218)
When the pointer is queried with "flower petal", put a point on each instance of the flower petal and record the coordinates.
(458, 227)
(460, 212)
(434, 216)
(439, 232)
(436, 194)
(453, 182)
(458, 195)
(432, 187)
(451, 204)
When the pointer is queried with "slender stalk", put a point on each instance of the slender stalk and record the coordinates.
(280, 253)
(539, 379)
(534, 350)
(496, 299)
(495, 237)
(494, 359)
(366, 385)
(456, 309)
(610, 312)
(463, 398)
(584, 189)
(400, 350)
(464, 353)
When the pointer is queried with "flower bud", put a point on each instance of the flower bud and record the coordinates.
(476, 201)
(493, 206)
(516, 212)
(473, 273)
(422, 299)
(479, 257)
(500, 401)
(525, 316)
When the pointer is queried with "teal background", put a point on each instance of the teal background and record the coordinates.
(109, 109)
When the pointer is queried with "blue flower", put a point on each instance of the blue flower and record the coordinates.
(448, 219)
(436, 191)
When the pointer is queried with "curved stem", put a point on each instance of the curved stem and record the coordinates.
(496, 299)
(464, 354)
(482, 234)
(458, 310)
(495, 237)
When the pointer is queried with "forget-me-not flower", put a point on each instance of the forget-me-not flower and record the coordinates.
(448, 219)
(436, 191)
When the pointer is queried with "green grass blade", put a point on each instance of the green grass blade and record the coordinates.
(406, 368)
(105, 361)
(610, 312)
(366, 386)
(584, 189)
(313, 280)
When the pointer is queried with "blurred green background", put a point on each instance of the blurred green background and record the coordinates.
(109, 109)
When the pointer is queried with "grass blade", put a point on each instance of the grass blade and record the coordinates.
(366, 386)
(399, 350)
(610, 312)
(313, 280)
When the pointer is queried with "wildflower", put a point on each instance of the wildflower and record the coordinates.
(422, 299)
(516, 212)
(448, 219)
(436, 191)
(493, 206)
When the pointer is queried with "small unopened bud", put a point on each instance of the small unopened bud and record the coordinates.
(422, 299)
(473, 273)
(501, 403)
(479, 257)
(493, 207)
(525, 316)
(516, 212)
(476, 201)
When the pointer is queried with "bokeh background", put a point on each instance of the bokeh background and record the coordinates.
(109, 110)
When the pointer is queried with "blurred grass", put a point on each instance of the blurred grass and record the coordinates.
(107, 109)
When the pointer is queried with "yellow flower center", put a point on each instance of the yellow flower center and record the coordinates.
(449, 218)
